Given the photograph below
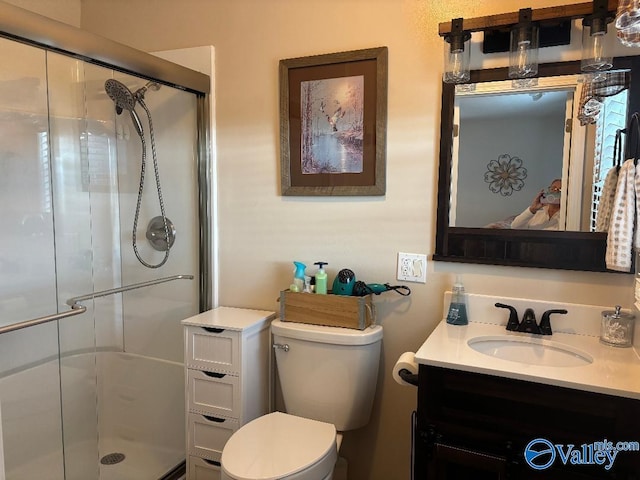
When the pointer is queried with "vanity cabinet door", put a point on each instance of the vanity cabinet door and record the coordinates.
(453, 463)
(471, 425)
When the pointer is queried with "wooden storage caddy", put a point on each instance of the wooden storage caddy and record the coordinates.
(330, 310)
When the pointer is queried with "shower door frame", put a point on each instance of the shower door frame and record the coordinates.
(27, 27)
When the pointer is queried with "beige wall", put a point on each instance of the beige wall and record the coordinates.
(261, 232)
(65, 11)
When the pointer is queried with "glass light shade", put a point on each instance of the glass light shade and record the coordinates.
(628, 23)
(597, 46)
(456, 58)
(628, 14)
(523, 52)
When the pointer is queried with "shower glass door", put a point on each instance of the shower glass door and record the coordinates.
(99, 395)
(30, 405)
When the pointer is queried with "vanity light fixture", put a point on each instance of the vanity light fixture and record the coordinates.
(457, 55)
(523, 53)
(511, 32)
(596, 46)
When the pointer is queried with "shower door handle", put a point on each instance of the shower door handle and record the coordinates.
(75, 310)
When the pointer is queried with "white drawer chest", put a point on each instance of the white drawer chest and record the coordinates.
(227, 376)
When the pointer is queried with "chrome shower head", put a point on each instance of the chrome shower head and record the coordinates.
(124, 100)
(120, 94)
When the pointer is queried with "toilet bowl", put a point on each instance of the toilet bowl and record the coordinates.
(281, 446)
(328, 377)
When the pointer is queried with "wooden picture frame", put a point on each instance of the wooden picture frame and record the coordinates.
(333, 118)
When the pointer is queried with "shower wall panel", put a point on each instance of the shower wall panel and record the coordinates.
(151, 328)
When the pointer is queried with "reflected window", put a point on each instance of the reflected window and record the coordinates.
(613, 114)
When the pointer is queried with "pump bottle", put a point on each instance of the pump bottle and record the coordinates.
(321, 279)
(457, 314)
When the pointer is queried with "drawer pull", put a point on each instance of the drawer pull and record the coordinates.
(212, 462)
(215, 374)
(214, 419)
(213, 330)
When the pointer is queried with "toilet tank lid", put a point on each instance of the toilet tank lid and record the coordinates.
(324, 334)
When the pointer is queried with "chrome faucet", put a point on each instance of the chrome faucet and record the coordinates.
(529, 324)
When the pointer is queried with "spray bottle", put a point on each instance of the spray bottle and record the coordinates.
(298, 277)
(458, 307)
(321, 279)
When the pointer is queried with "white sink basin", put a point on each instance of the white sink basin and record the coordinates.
(532, 351)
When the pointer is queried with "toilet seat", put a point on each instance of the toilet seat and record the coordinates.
(279, 445)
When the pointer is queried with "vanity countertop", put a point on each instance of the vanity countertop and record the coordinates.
(614, 371)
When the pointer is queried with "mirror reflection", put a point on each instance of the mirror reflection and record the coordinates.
(534, 158)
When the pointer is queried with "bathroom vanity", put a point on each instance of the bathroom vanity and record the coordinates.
(482, 411)
(227, 370)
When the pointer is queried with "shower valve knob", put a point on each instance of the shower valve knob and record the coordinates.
(157, 235)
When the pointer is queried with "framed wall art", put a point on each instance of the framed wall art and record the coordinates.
(333, 117)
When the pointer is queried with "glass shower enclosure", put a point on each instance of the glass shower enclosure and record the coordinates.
(91, 346)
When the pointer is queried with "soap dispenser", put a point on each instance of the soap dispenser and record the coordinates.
(457, 314)
(321, 278)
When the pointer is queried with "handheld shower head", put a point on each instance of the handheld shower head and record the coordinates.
(120, 94)
(124, 100)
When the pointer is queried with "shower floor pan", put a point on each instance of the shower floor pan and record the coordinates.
(140, 462)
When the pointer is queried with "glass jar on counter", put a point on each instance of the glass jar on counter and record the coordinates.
(616, 328)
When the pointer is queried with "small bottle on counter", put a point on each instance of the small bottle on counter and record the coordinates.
(321, 278)
(457, 314)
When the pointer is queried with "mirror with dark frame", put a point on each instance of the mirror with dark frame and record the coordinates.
(473, 227)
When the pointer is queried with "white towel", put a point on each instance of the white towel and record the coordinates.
(605, 207)
(621, 228)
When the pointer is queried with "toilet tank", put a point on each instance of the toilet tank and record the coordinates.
(328, 373)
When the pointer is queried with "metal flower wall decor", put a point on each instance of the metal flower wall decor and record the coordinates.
(505, 175)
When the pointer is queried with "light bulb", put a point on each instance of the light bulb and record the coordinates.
(522, 64)
(457, 66)
(596, 46)
(456, 54)
(523, 52)
(456, 61)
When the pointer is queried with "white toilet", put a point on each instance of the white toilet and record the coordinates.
(328, 377)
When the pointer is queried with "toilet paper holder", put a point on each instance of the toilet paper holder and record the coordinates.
(408, 377)
(405, 371)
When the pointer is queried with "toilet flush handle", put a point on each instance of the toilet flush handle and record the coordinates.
(281, 346)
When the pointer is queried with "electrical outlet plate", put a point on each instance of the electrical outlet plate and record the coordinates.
(412, 267)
